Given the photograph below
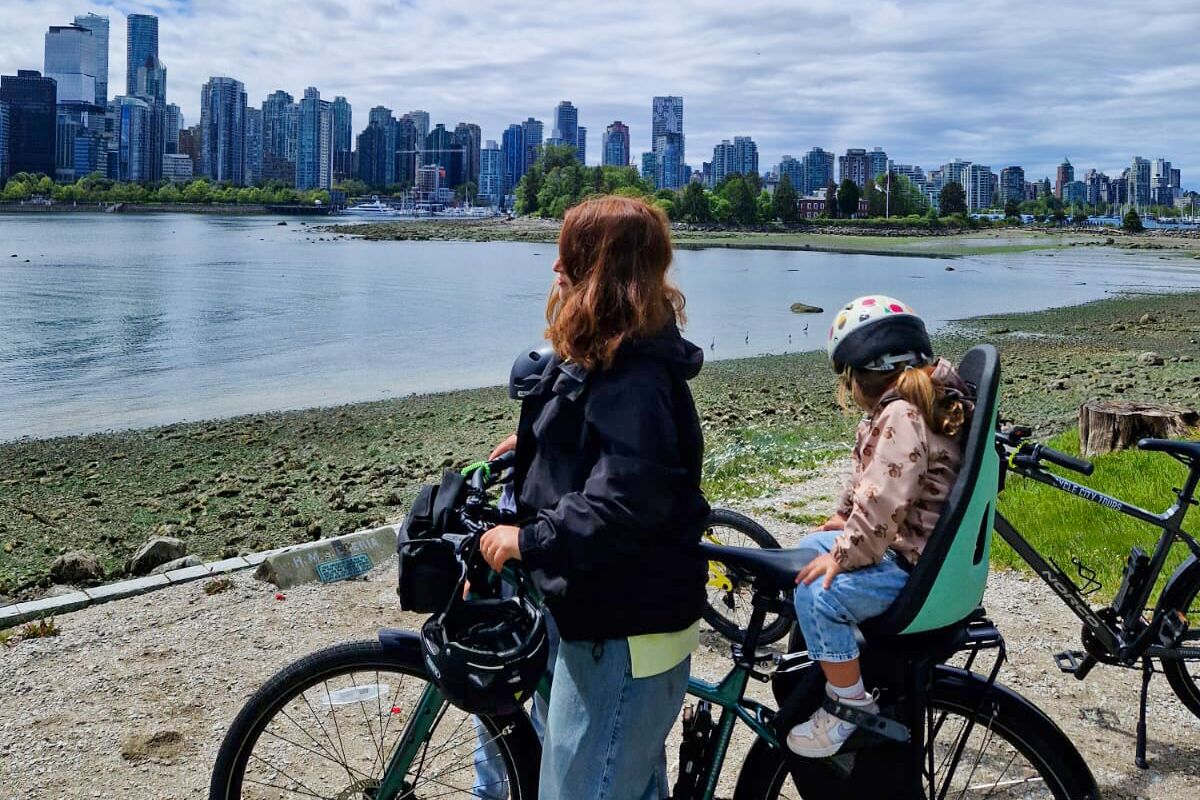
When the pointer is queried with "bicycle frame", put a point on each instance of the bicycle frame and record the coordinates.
(1170, 522)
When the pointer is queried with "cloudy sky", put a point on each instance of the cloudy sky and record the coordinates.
(994, 82)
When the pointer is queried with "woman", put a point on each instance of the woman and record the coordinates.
(608, 472)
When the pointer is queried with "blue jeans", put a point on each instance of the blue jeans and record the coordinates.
(606, 730)
(828, 618)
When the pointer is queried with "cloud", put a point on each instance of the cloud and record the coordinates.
(995, 82)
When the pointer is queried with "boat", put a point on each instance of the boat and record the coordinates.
(374, 208)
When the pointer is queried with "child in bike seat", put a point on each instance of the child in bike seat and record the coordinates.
(906, 459)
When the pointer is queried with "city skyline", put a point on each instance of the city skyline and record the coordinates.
(880, 76)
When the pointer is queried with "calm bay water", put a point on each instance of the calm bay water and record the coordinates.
(122, 321)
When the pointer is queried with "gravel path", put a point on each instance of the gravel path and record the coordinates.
(131, 700)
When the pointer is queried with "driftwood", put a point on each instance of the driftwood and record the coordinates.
(1108, 426)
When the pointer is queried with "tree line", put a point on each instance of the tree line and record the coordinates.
(95, 188)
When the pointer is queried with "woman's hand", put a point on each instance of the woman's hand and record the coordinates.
(500, 545)
(835, 523)
(508, 444)
(824, 564)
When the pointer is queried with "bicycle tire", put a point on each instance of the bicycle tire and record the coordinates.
(514, 735)
(1183, 593)
(766, 772)
(774, 629)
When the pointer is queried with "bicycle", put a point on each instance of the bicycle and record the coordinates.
(942, 730)
(1119, 634)
(729, 588)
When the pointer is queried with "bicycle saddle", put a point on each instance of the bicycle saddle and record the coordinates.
(774, 569)
(1188, 451)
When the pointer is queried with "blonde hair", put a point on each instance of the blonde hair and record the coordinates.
(944, 413)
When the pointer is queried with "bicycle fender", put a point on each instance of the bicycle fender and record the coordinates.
(401, 642)
(1184, 575)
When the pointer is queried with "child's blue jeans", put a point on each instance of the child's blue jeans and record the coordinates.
(828, 617)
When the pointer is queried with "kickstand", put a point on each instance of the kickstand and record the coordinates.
(1140, 755)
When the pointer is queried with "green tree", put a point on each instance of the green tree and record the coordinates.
(741, 199)
(766, 209)
(784, 204)
(694, 205)
(352, 187)
(831, 204)
(953, 199)
(1131, 222)
(877, 205)
(1012, 208)
(528, 189)
(847, 198)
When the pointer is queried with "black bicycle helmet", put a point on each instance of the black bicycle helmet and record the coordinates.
(527, 370)
(486, 656)
(877, 333)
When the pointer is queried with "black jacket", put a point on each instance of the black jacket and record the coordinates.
(609, 462)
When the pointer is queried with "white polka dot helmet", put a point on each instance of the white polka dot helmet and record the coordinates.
(877, 332)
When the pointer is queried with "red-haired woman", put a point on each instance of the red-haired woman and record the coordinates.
(609, 451)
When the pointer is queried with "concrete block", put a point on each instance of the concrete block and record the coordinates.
(188, 574)
(51, 606)
(11, 615)
(254, 559)
(228, 565)
(131, 588)
(329, 560)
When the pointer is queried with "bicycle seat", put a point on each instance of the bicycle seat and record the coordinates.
(1185, 450)
(774, 569)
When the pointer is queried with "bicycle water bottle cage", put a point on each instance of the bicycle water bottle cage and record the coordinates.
(1088, 575)
(947, 582)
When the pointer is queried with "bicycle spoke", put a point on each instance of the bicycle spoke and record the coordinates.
(362, 707)
(284, 773)
(280, 788)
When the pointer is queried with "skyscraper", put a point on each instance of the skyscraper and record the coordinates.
(468, 136)
(141, 45)
(173, 123)
(649, 169)
(1062, 176)
(667, 140)
(1139, 182)
(383, 147)
(1160, 183)
(854, 166)
(445, 152)
(977, 185)
(3, 140)
(1012, 185)
(374, 156)
(70, 59)
(745, 155)
(512, 153)
(223, 130)
(31, 121)
(581, 145)
(877, 162)
(818, 170)
(253, 170)
(953, 172)
(531, 141)
(98, 25)
(566, 123)
(277, 164)
(722, 162)
(491, 173)
(615, 145)
(406, 148)
(794, 170)
(133, 137)
(343, 139)
(420, 120)
(314, 153)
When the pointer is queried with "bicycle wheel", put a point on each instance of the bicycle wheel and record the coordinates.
(1183, 593)
(1005, 746)
(729, 589)
(324, 727)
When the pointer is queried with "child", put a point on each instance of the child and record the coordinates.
(906, 458)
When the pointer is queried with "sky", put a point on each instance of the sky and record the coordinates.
(997, 83)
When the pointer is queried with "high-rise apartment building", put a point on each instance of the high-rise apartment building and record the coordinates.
(1074, 193)
(4, 140)
(531, 140)
(420, 120)
(581, 145)
(977, 186)
(1063, 175)
(343, 139)
(174, 123)
(667, 141)
(470, 138)
(406, 146)
(818, 170)
(223, 130)
(134, 140)
(615, 145)
(1138, 192)
(32, 135)
(375, 157)
(566, 123)
(70, 59)
(745, 155)
(649, 170)
(721, 165)
(953, 173)
(443, 150)
(314, 151)
(1012, 185)
(277, 165)
(1160, 183)
(877, 162)
(141, 45)
(512, 154)
(98, 26)
(854, 166)
(491, 173)
(253, 171)
(794, 170)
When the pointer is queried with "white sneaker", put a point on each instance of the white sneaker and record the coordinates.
(823, 734)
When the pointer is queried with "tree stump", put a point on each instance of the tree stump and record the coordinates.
(1108, 426)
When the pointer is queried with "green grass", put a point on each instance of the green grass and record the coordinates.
(753, 462)
(1061, 526)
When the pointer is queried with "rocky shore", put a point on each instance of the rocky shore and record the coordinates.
(232, 486)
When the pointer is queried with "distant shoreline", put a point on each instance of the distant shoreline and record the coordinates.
(148, 208)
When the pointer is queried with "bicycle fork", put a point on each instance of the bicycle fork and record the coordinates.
(429, 708)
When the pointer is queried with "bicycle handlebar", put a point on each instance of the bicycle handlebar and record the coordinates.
(1042, 453)
(1031, 455)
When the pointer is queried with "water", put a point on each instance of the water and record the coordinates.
(123, 321)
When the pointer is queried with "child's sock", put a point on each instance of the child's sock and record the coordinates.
(856, 691)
